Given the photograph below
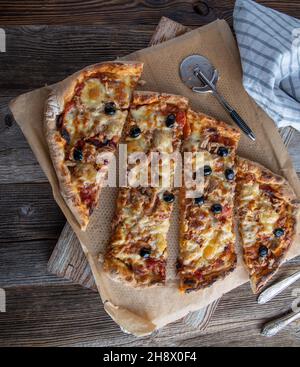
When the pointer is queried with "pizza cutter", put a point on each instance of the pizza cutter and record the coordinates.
(201, 76)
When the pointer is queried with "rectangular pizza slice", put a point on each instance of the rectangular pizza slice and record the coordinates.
(138, 249)
(207, 239)
(267, 210)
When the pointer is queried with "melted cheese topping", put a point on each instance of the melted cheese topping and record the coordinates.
(207, 239)
(143, 217)
(87, 131)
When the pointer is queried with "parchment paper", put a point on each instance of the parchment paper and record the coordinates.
(140, 312)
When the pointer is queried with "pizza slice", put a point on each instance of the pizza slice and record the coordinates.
(207, 239)
(84, 119)
(138, 249)
(267, 209)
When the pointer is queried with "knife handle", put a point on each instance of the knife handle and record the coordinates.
(273, 327)
(277, 288)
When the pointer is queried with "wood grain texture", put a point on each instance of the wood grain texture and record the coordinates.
(138, 12)
(70, 315)
(41, 311)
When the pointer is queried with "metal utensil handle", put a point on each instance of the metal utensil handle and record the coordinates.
(273, 327)
(240, 122)
(234, 115)
(277, 288)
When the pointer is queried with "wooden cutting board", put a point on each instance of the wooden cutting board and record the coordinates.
(68, 260)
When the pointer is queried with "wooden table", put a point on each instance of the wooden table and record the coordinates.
(45, 43)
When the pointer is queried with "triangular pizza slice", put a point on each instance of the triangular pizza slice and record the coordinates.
(84, 119)
(267, 208)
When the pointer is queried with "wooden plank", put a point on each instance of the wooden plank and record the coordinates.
(25, 263)
(28, 212)
(68, 261)
(69, 315)
(137, 12)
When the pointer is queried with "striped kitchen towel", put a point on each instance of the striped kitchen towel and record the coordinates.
(269, 45)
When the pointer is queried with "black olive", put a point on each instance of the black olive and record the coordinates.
(77, 154)
(216, 208)
(199, 200)
(64, 133)
(110, 108)
(135, 131)
(189, 281)
(229, 174)
(145, 252)
(168, 197)
(170, 120)
(222, 152)
(207, 170)
(278, 232)
(59, 121)
(263, 251)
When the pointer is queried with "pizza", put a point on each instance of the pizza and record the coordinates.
(84, 119)
(267, 208)
(137, 252)
(207, 237)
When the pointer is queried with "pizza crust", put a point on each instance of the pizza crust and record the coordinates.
(54, 106)
(266, 176)
(146, 98)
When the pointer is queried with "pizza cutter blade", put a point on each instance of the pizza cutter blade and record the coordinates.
(201, 76)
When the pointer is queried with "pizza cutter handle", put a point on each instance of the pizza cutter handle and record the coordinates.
(242, 124)
(234, 115)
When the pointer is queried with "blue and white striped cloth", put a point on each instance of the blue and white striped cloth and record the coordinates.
(269, 45)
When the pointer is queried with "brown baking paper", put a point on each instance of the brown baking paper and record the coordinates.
(140, 312)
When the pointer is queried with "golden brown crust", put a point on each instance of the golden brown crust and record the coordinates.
(201, 122)
(55, 104)
(146, 97)
(274, 195)
(264, 175)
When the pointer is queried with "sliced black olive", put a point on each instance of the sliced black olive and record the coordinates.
(59, 121)
(170, 120)
(263, 251)
(278, 232)
(77, 154)
(216, 208)
(229, 174)
(222, 152)
(65, 134)
(145, 252)
(168, 197)
(199, 200)
(207, 170)
(110, 108)
(135, 131)
(189, 281)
